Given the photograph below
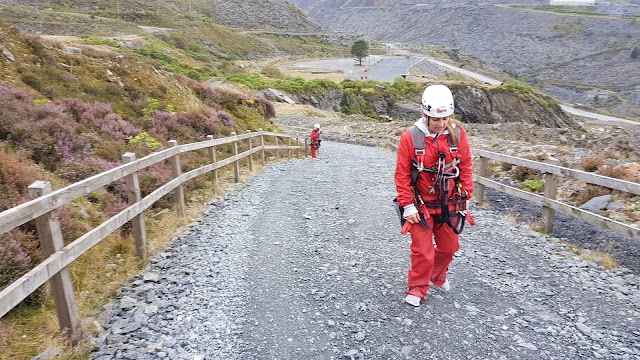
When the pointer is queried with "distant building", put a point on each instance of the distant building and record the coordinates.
(573, 2)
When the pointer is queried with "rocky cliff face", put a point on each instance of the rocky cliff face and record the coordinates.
(487, 106)
(579, 59)
(473, 105)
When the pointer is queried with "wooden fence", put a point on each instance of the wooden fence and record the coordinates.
(58, 257)
(551, 174)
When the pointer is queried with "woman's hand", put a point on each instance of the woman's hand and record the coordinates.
(413, 218)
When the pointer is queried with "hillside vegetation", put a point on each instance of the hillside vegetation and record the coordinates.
(67, 113)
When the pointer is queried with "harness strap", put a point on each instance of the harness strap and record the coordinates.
(455, 219)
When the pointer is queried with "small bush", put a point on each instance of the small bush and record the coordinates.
(19, 253)
(618, 172)
(272, 72)
(591, 164)
(522, 173)
(80, 168)
(505, 166)
(225, 119)
(532, 185)
(15, 177)
(590, 192)
(144, 139)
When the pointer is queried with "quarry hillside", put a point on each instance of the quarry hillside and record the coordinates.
(585, 56)
(259, 14)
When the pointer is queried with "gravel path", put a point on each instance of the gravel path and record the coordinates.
(306, 262)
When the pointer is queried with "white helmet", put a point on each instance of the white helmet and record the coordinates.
(437, 101)
(316, 126)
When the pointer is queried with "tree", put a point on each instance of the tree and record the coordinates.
(360, 49)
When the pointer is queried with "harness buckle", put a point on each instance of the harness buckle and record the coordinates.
(420, 152)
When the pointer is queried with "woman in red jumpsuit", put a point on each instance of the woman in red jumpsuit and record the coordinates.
(423, 209)
(315, 140)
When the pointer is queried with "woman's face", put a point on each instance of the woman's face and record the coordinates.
(437, 125)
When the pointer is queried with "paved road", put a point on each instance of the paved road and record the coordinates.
(599, 117)
(467, 73)
(389, 68)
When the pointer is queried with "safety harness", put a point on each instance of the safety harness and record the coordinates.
(442, 174)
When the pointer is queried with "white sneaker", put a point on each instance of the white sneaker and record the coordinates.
(412, 300)
(444, 287)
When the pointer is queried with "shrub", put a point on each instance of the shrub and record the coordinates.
(15, 177)
(522, 173)
(98, 116)
(272, 72)
(591, 164)
(618, 172)
(18, 254)
(532, 185)
(83, 167)
(145, 140)
(268, 108)
(225, 119)
(590, 192)
(505, 166)
(252, 81)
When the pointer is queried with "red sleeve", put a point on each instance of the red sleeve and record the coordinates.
(314, 135)
(404, 165)
(466, 162)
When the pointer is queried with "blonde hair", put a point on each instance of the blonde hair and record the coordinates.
(452, 132)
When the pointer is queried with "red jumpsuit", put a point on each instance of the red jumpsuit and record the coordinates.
(315, 140)
(429, 263)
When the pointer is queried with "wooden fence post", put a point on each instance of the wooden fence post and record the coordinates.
(262, 144)
(214, 173)
(288, 148)
(277, 152)
(297, 147)
(236, 164)
(177, 171)
(550, 192)
(138, 228)
(306, 147)
(51, 241)
(483, 169)
(251, 155)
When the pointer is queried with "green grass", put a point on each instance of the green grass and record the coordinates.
(567, 29)
(561, 9)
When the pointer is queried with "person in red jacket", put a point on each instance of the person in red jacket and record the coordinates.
(315, 140)
(434, 206)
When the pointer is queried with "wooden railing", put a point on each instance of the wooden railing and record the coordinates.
(548, 200)
(551, 174)
(57, 256)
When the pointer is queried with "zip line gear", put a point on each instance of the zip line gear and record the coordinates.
(314, 136)
(437, 101)
(433, 178)
(440, 181)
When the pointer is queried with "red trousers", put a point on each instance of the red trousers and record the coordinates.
(314, 151)
(430, 263)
